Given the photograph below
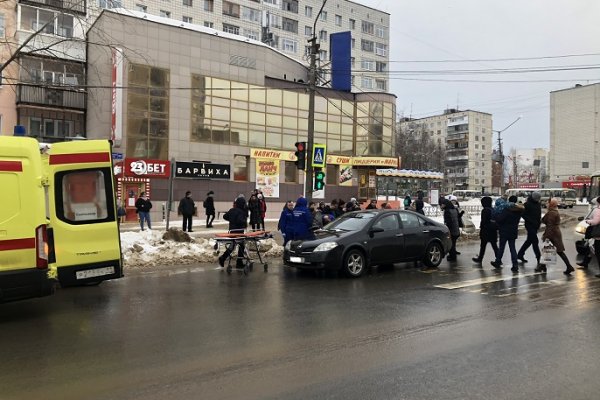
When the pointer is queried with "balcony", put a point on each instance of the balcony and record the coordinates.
(51, 97)
(74, 6)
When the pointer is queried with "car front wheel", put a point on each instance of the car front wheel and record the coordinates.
(433, 255)
(354, 263)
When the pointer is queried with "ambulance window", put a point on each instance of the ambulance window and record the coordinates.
(82, 196)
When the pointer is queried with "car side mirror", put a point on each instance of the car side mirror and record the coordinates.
(374, 230)
(580, 218)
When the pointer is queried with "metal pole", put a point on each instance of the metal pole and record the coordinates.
(312, 79)
(170, 194)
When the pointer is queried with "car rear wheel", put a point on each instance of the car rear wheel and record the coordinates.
(354, 263)
(433, 255)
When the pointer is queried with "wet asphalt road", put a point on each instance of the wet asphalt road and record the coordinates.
(197, 333)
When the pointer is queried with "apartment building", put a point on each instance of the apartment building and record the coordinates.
(287, 25)
(574, 132)
(467, 137)
(42, 87)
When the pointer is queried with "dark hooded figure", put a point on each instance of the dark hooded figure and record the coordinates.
(301, 221)
(488, 230)
(286, 220)
(254, 208)
(420, 204)
(451, 221)
(532, 215)
(237, 217)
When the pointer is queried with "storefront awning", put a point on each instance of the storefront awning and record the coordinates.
(410, 173)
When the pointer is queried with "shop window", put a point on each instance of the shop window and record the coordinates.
(240, 168)
(291, 172)
(331, 175)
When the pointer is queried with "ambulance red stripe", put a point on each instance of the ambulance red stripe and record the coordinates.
(11, 166)
(17, 244)
(81, 158)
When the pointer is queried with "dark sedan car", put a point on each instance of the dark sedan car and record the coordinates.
(361, 239)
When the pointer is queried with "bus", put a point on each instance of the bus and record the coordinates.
(521, 194)
(466, 194)
(594, 187)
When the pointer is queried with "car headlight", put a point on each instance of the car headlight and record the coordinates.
(581, 229)
(326, 246)
(288, 245)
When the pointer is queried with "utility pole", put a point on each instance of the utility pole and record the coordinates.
(312, 88)
(501, 153)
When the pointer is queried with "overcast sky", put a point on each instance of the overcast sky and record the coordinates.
(434, 30)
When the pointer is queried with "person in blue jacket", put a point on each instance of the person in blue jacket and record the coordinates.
(507, 216)
(301, 221)
(286, 221)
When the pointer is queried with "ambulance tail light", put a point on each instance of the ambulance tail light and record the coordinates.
(41, 247)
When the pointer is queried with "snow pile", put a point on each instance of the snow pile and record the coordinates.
(148, 249)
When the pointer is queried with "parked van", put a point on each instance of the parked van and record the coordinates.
(521, 194)
(23, 224)
(466, 194)
(566, 197)
(64, 193)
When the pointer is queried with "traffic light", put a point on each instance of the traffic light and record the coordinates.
(300, 155)
(319, 180)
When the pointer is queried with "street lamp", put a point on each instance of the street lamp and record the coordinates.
(500, 152)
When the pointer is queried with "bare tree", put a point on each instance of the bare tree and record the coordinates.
(418, 149)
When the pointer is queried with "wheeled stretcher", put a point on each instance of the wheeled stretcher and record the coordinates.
(250, 241)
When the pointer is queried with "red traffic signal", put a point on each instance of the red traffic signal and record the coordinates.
(300, 155)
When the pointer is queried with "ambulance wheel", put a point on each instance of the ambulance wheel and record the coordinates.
(92, 283)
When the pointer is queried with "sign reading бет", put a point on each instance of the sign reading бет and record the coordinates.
(197, 170)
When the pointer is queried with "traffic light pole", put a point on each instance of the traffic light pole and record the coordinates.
(312, 80)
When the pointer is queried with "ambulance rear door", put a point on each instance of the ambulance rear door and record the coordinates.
(87, 247)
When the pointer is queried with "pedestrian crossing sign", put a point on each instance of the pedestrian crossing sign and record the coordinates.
(319, 155)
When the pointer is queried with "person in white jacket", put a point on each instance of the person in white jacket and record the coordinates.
(594, 220)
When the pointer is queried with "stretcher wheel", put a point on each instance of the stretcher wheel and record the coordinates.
(228, 269)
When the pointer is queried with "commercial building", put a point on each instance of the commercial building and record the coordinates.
(467, 137)
(527, 168)
(234, 105)
(574, 132)
(286, 25)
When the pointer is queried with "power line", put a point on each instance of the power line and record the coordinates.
(497, 59)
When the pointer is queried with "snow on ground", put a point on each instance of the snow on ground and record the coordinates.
(147, 249)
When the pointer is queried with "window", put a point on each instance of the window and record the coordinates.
(388, 222)
(338, 20)
(368, 27)
(324, 16)
(290, 5)
(165, 14)
(368, 65)
(367, 82)
(380, 49)
(331, 175)
(322, 55)
(585, 164)
(141, 7)
(476, 138)
(187, 3)
(231, 29)
(308, 30)
(274, 20)
(110, 3)
(381, 84)
(240, 168)
(352, 24)
(323, 35)
(352, 61)
(353, 42)
(367, 45)
(291, 172)
(209, 24)
(289, 45)
(272, 2)
(380, 31)
(380, 66)
(209, 5)
(483, 147)
(409, 220)
(231, 9)
(33, 19)
(251, 14)
(187, 19)
(289, 25)
(308, 11)
(82, 196)
(251, 34)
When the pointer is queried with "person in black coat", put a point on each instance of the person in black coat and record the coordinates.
(186, 209)
(488, 230)
(451, 221)
(420, 204)
(143, 205)
(254, 208)
(237, 218)
(209, 206)
(532, 215)
(508, 219)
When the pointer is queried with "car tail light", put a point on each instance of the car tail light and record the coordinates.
(41, 247)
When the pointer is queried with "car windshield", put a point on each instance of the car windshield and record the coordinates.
(351, 222)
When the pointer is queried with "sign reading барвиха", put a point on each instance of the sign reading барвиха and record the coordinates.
(197, 170)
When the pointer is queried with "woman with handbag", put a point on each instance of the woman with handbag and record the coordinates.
(594, 225)
(554, 235)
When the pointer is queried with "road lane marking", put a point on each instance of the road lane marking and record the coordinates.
(481, 281)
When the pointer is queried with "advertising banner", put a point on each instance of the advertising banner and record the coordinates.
(267, 176)
(147, 168)
(272, 154)
(345, 175)
(116, 126)
(196, 170)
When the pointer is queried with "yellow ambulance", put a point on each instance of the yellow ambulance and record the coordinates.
(64, 194)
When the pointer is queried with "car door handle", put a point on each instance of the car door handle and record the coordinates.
(426, 231)
(399, 234)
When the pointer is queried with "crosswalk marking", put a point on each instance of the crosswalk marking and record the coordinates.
(481, 281)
